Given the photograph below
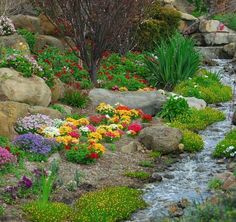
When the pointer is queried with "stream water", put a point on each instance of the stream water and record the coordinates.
(192, 172)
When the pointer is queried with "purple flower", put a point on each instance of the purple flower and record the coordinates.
(35, 143)
(25, 183)
(12, 191)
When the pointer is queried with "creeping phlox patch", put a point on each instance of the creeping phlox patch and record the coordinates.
(89, 133)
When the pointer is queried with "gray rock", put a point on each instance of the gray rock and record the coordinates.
(161, 138)
(230, 49)
(196, 103)
(157, 177)
(211, 52)
(130, 148)
(169, 176)
(149, 102)
(219, 38)
(209, 25)
(46, 40)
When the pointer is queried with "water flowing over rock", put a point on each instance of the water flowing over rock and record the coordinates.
(14, 87)
(149, 102)
(161, 138)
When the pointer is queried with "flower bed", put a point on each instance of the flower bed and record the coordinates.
(81, 138)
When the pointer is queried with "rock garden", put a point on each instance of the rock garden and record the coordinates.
(119, 111)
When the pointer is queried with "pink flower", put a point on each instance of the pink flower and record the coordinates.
(136, 127)
(91, 128)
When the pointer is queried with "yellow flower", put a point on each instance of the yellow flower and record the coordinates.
(72, 121)
(123, 89)
(83, 122)
(95, 136)
(65, 129)
(66, 140)
(98, 147)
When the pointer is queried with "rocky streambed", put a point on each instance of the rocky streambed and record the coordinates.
(189, 177)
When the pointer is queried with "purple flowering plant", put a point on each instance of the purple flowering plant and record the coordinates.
(35, 143)
(6, 157)
(33, 123)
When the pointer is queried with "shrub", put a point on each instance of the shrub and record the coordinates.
(206, 86)
(192, 141)
(59, 108)
(47, 212)
(4, 141)
(75, 99)
(227, 147)
(110, 204)
(174, 107)
(6, 26)
(161, 22)
(6, 157)
(34, 143)
(228, 19)
(30, 37)
(141, 175)
(198, 119)
(173, 61)
(200, 7)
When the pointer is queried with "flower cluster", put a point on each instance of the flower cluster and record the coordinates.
(33, 123)
(230, 151)
(6, 157)
(35, 143)
(134, 129)
(6, 26)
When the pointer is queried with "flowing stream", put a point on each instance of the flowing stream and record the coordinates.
(192, 172)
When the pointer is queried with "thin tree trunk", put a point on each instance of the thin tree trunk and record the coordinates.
(93, 73)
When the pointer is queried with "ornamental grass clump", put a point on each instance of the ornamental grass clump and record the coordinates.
(6, 157)
(173, 61)
(33, 123)
(6, 26)
(35, 143)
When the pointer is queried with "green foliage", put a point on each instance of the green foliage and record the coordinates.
(110, 205)
(79, 155)
(47, 212)
(227, 147)
(174, 107)
(206, 86)
(59, 108)
(30, 37)
(223, 211)
(141, 175)
(123, 71)
(229, 19)
(155, 154)
(75, 99)
(198, 119)
(161, 22)
(200, 7)
(215, 184)
(192, 141)
(146, 163)
(173, 61)
(1, 211)
(4, 141)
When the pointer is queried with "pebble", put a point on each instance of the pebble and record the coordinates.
(169, 176)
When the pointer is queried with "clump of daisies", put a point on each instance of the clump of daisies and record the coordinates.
(6, 26)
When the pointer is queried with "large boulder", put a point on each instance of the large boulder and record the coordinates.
(150, 102)
(43, 41)
(14, 42)
(10, 112)
(209, 25)
(46, 26)
(30, 23)
(161, 138)
(219, 38)
(15, 87)
(58, 90)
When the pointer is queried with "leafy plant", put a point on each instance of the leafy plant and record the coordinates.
(30, 37)
(59, 108)
(173, 61)
(146, 163)
(200, 7)
(174, 107)
(2, 211)
(215, 184)
(198, 119)
(192, 141)
(110, 204)
(207, 86)
(47, 212)
(155, 154)
(138, 175)
(227, 147)
(75, 99)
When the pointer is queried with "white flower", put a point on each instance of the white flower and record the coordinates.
(113, 126)
(51, 131)
(84, 129)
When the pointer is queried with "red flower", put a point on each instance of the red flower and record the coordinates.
(8, 148)
(146, 117)
(122, 107)
(74, 134)
(94, 156)
(136, 127)
(67, 147)
(96, 119)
